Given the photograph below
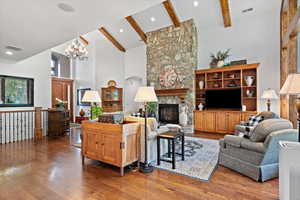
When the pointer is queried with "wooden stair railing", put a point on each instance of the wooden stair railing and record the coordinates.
(19, 125)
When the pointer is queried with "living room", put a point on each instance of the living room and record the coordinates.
(220, 77)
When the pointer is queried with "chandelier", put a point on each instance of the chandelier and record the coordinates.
(76, 50)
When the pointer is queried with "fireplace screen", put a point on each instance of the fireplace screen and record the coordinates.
(168, 113)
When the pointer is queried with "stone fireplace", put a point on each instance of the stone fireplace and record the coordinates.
(171, 61)
(168, 113)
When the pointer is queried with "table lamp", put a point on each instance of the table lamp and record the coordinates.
(146, 95)
(292, 87)
(91, 96)
(268, 95)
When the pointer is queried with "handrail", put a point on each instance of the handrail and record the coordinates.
(14, 111)
(19, 125)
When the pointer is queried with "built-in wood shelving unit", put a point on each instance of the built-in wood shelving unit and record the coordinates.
(231, 77)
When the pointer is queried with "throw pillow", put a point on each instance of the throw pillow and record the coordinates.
(254, 120)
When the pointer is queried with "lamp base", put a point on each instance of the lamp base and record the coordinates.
(146, 168)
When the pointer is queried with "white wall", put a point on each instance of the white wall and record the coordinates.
(135, 76)
(136, 62)
(37, 67)
(109, 64)
(257, 40)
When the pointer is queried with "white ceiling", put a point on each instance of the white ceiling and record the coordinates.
(37, 25)
(42, 31)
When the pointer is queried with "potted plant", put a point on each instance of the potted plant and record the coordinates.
(96, 111)
(60, 104)
(151, 109)
(218, 60)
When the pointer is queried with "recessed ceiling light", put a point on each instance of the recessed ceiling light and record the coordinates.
(13, 48)
(152, 19)
(9, 53)
(65, 7)
(196, 3)
(121, 30)
(247, 10)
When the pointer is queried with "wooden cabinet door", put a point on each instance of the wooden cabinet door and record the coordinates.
(198, 121)
(234, 118)
(92, 147)
(62, 89)
(111, 149)
(209, 121)
(221, 122)
(246, 115)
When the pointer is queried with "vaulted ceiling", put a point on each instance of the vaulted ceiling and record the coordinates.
(36, 25)
(208, 14)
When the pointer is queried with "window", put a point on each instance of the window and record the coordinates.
(16, 91)
(60, 65)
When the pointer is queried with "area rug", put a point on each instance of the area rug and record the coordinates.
(201, 159)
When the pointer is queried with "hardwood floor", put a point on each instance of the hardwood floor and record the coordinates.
(51, 169)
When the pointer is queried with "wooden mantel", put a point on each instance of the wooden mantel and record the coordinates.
(180, 92)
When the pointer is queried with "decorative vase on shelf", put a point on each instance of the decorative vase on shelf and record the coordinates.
(244, 108)
(249, 93)
(220, 63)
(81, 113)
(249, 80)
(201, 84)
(201, 106)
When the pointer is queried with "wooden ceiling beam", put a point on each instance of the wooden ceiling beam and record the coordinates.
(292, 30)
(225, 12)
(285, 5)
(171, 11)
(111, 39)
(84, 40)
(137, 28)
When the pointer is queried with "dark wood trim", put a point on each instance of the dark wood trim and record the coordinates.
(171, 11)
(288, 55)
(292, 29)
(225, 12)
(111, 39)
(137, 28)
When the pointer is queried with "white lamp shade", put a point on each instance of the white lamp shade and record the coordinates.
(146, 94)
(291, 85)
(91, 96)
(269, 94)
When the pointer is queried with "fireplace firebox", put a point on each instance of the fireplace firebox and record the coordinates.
(168, 113)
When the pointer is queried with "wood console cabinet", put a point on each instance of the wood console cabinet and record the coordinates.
(58, 122)
(219, 121)
(115, 144)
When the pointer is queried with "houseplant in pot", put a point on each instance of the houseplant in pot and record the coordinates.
(218, 60)
(151, 109)
(60, 104)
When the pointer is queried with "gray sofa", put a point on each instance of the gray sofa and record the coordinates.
(257, 157)
(244, 126)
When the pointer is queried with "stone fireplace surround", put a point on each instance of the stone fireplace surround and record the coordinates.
(173, 50)
(171, 101)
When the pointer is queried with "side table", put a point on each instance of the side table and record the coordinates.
(171, 136)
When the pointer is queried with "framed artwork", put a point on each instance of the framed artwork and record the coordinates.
(16, 91)
(80, 93)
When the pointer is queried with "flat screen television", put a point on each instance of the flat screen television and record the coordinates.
(230, 99)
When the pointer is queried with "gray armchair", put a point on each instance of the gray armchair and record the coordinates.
(257, 157)
(244, 127)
